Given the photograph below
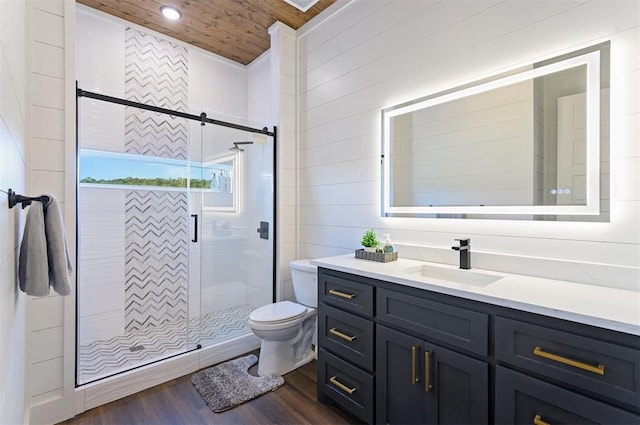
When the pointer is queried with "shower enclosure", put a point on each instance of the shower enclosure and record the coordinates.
(169, 259)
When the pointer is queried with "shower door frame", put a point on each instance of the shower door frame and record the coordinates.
(203, 119)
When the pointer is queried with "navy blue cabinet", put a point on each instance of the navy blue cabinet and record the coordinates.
(392, 354)
(346, 372)
(419, 382)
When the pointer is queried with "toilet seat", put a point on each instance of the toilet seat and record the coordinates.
(281, 312)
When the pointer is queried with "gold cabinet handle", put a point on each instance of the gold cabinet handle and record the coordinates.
(414, 352)
(427, 371)
(341, 294)
(339, 334)
(580, 365)
(538, 421)
(342, 386)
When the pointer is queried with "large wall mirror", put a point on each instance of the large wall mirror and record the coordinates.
(529, 144)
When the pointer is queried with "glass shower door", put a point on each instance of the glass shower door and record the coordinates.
(134, 232)
(236, 260)
(169, 259)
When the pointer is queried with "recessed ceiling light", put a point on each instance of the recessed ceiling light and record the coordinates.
(170, 12)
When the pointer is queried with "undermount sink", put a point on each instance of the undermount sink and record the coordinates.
(467, 277)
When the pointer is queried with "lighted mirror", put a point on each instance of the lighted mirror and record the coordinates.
(522, 145)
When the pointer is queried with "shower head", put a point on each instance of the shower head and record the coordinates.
(236, 148)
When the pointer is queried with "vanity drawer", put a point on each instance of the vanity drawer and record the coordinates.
(345, 294)
(433, 320)
(521, 399)
(347, 335)
(599, 367)
(350, 387)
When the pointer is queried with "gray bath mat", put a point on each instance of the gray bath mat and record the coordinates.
(228, 384)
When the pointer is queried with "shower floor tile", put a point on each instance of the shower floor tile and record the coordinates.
(103, 358)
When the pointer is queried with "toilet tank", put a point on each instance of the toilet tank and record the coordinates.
(305, 282)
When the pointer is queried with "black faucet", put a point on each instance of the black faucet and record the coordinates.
(465, 253)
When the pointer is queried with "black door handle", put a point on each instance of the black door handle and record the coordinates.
(264, 230)
(195, 228)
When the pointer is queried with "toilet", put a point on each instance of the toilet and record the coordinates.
(288, 329)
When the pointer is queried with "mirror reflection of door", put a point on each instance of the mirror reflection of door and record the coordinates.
(572, 151)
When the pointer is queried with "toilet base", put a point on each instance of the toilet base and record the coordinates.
(280, 357)
(277, 358)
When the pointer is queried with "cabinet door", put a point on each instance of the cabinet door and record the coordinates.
(399, 386)
(521, 399)
(458, 387)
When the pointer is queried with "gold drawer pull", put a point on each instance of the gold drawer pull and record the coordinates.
(339, 334)
(427, 371)
(341, 294)
(538, 421)
(342, 386)
(414, 377)
(595, 369)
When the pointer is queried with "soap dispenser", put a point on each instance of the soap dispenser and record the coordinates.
(388, 246)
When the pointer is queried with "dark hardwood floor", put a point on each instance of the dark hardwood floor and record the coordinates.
(178, 402)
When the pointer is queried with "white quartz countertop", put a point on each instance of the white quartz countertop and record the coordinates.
(609, 308)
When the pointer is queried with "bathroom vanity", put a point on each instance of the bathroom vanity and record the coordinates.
(413, 342)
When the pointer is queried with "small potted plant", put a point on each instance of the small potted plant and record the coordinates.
(370, 241)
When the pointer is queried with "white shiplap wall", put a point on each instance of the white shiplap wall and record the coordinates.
(50, 97)
(283, 101)
(260, 172)
(366, 55)
(12, 175)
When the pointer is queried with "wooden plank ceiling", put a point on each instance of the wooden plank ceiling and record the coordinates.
(234, 29)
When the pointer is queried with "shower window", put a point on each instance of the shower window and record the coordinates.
(109, 168)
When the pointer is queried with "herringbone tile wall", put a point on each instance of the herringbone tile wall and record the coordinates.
(156, 262)
(156, 73)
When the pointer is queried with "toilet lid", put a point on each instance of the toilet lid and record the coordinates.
(278, 312)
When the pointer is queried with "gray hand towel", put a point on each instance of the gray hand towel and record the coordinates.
(33, 268)
(57, 253)
(44, 259)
